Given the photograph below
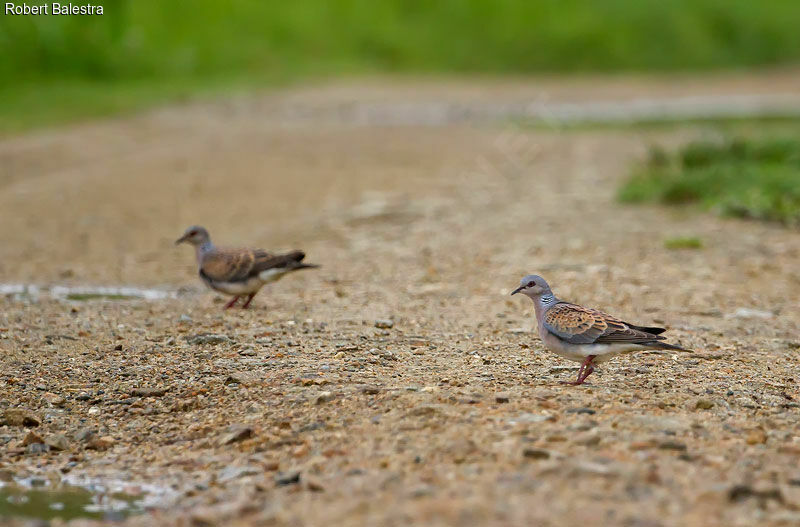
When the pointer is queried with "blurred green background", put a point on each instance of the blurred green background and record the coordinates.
(59, 68)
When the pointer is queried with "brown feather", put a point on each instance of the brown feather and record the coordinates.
(580, 325)
(234, 265)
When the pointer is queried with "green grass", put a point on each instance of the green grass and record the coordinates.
(141, 52)
(749, 178)
(683, 242)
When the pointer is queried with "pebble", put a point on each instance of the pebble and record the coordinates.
(84, 434)
(287, 478)
(57, 442)
(384, 324)
(100, 443)
(20, 417)
(236, 433)
(37, 448)
(756, 437)
(582, 410)
(208, 338)
(230, 473)
(501, 397)
(54, 399)
(703, 404)
(313, 484)
(149, 392)
(370, 389)
(243, 378)
(672, 445)
(324, 397)
(536, 453)
(32, 438)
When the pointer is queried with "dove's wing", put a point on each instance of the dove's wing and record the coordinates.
(236, 265)
(580, 325)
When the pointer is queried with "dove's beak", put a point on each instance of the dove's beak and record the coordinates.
(517, 290)
(180, 240)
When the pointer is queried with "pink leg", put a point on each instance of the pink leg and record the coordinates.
(585, 371)
(249, 299)
(230, 304)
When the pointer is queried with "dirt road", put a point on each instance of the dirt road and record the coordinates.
(454, 414)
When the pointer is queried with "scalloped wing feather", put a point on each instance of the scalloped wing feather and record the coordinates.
(579, 325)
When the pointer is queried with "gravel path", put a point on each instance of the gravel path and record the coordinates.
(399, 384)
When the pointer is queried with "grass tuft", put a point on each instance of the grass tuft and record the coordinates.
(686, 242)
(737, 177)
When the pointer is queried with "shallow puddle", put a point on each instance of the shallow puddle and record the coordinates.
(66, 502)
(83, 293)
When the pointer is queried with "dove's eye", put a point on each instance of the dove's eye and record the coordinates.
(531, 284)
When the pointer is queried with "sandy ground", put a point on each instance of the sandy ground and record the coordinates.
(302, 411)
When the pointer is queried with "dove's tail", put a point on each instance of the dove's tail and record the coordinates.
(657, 344)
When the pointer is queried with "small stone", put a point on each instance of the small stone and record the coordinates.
(384, 324)
(20, 417)
(84, 434)
(324, 397)
(287, 478)
(57, 442)
(672, 445)
(236, 433)
(536, 453)
(208, 339)
(37, 448)
(739, 493)
(703, 404)
(230, 473)
(501, 397)
(118, 347)
(756, 437)
(83, 396)
(424, 410)
(149, 392)
(243, 378)
(370, 389)
(31, 438)
(314, 485)
(54, 399)
(641, 445)
(185, 319)
(582, 410)
(100, 443)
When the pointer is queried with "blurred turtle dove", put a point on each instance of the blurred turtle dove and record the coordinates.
(585, 335)
(240, 271)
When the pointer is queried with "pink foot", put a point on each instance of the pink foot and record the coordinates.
(249, 299)
(585, 371)
(230, 304)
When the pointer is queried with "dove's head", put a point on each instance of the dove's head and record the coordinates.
(196, 235)
(532, 286)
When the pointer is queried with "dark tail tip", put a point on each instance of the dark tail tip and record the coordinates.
(665, 346)
(647, 329)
